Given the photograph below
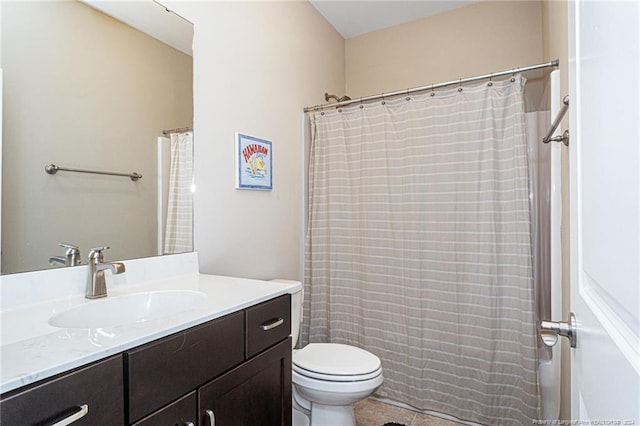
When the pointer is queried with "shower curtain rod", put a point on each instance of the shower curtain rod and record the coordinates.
(513, 71)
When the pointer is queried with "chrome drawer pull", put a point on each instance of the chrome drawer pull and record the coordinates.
(273, 324)
(83, 410)
(189, 424)
(212, 417)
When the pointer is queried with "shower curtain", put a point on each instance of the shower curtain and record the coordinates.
(179, 228)
(418, 248)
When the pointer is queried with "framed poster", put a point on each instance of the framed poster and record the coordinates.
(253, 163)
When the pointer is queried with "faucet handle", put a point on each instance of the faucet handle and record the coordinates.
(69, 246)
(72, 254)
(96, 253)
(100, 248)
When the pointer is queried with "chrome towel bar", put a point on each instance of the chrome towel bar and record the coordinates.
(52, 169)
(564, 138)
(167, 132)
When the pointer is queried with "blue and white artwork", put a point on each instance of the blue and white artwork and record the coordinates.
(253, 163)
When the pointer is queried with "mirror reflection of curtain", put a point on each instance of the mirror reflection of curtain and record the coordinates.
(178, 232)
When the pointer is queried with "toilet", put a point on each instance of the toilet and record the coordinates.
(328, 378)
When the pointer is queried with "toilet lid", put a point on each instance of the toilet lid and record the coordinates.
(336, 359)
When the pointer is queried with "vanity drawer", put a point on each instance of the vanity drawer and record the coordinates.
(163, 371)
(267, 324)
(98, 386)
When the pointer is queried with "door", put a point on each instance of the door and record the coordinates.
(605, 213)
(1, 132)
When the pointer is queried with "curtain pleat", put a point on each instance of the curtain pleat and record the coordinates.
(179, 227)
(418, 248)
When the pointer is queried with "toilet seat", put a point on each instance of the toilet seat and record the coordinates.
(336, 362)
(335, 389)
(337, 378)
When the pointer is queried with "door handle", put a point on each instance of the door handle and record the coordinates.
(211, 416)
(550, 330)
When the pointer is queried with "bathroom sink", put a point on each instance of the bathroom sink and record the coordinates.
(127, 309)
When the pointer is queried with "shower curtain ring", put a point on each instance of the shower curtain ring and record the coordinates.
(513, 76)
(460, 84)
(408, 98)
(490, 80)
(432, 92)
(382, 96)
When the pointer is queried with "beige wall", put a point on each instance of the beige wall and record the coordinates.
(85, 91)
(481, 38)
(256, 66)
(555, 24)
(477, 39)
(555, 42)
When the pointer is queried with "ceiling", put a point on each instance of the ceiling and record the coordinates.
(352, 18)
(151, 18)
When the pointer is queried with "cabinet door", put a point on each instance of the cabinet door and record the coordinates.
(256, 393)
(183, 412)
(162, 371)
(93, 394)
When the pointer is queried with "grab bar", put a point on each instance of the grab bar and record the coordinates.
(564, 138)
(52, 169)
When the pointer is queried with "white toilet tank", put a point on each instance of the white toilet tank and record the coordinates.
(296, 310)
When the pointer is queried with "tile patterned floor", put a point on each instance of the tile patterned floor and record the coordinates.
(370, 412)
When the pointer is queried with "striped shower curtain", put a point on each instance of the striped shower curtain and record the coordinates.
(418, 248)
(179, 227)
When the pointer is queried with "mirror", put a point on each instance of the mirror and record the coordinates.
(84, 90)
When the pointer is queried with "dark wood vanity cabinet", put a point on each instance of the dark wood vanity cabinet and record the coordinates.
(96, 388)
(232, 371)
(235, 369)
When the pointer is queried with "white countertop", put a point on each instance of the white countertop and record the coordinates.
(32, 350)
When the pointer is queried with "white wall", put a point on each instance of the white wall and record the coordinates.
(256, 66)
(555, 38)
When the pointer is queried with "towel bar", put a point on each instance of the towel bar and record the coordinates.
(52, 169)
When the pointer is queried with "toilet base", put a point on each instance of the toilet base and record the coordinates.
(332, 415)
(299, 418)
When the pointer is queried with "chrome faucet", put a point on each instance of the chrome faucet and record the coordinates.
(58, 259)
(96, 284)
(71, 256)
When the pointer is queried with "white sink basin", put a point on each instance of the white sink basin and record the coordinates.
(127, 309)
